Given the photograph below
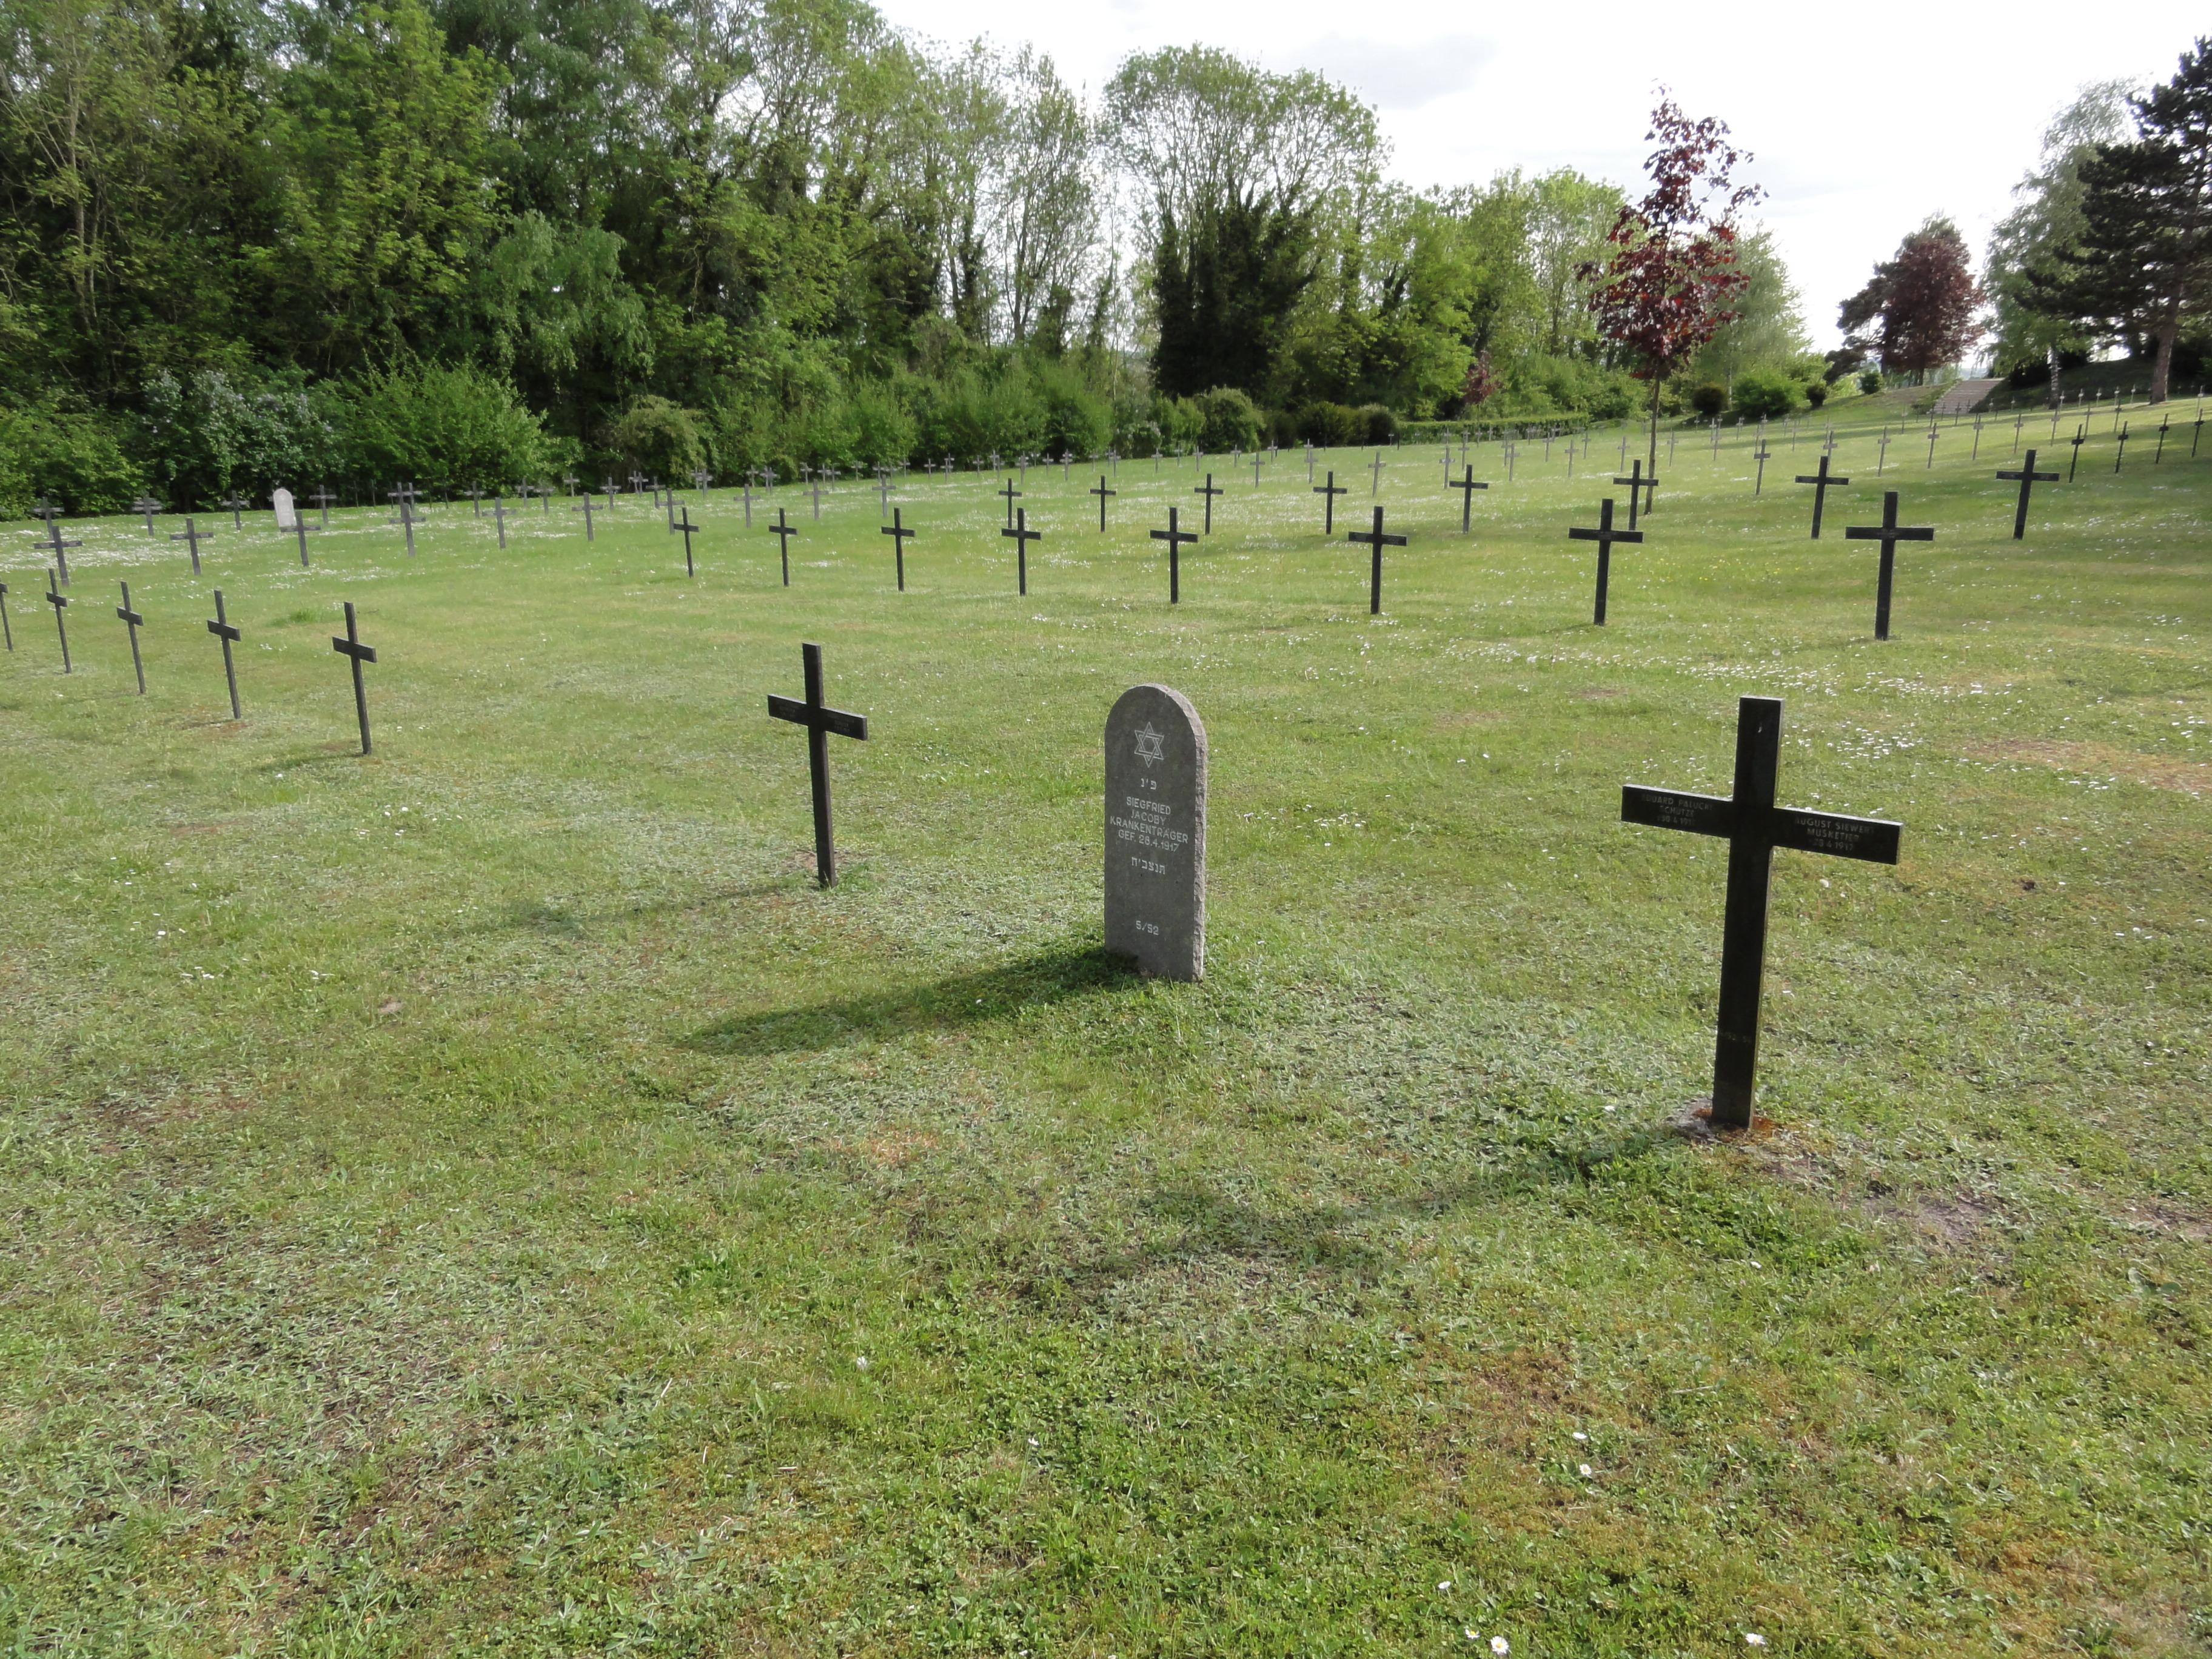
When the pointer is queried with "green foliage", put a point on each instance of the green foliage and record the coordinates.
(1815, 393)
(658, 438)
(1765, 392)
(1228, 419)
(1377, 424)
(444, 429)
(205, 437)
(1709, 398)
(74, 458)
(1871, 381)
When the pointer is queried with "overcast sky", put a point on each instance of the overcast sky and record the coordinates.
(1863, 119)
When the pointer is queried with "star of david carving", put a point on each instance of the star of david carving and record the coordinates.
(1150, 745)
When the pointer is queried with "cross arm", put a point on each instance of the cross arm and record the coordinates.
(1872, 840)
(1677, 809)
(224, 630)
(353, 648)
(829, 719)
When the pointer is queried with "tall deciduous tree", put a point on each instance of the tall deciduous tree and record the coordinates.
(2046, 219)
(1666, 286)
(2144, 259)
(1916, 311)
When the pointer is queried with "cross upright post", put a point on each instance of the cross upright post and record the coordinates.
(1881, 454)
(2028, 477)
(783, 532)
(147, 507)
(1102, 493)
(499, 518)
(745, 484)
(820, 720)
(1820, 480)
(7, 627)
(1207, 491)
(1466, 486)
(322, 498)
(133, 621)
(1975, 453)
(1022, 536)
(224, 629)
(405, 497)
(1933, 432)
(585, 509)
(1762, 455)
(60, 602)
(817, 497)
(1888, 532)
(237, 505)
(60, 549)
(703, 481)
(1328, 492)
(1376, 541)
(193, 536)
(883, 490)
(2159, 454)
(476, 501)
(1605, 536)
(2081, 436)
(301, 528)
(685, 528)
(1375, 483)
(2120, 453)
(1176, 538)
(898, 532)
(1012, 494)
(351, 646)
(1257, 458)
(1753, 827)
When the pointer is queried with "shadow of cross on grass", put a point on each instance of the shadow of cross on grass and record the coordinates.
(1057, 974)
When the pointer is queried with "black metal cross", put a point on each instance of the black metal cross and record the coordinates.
(1933, 430)
(1881, 455)
(1257, 460)
(194, 536)
(59, 600)
(1375, 486)
(1762, 455)
(1102, 493)
(405, 497)
(1011, 495)
(819, 720)
(585, 509)
(2159, 454)
(1466, 487)
(1888, 533)
(685, 528)
(1820, 480)
(1605, 536)
(898, 532)
(1375, 540)
(1023, 535)
(60, 549)
(2081, 436)
(222, 629)
(816, 488)
(7, 627)
(783, 532)
(300, 529)
(147, 505)
(1753, 827)
(1209, 491)
(2120, 453)
(883, 490)
(499, 518)
(703, 481)
(1638, 484)
(1328, 492)
(322, 498)
(132, 621)
(2029, 477)
(350, 645)
(236, 506)
(1177, 538)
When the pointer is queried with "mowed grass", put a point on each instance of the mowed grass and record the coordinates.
(484, 1198)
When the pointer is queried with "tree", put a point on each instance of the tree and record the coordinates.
(2144, 260)
(1767, 330)
(1225, 281)
(1667, 284)
(1920, 304)
(2046, 220)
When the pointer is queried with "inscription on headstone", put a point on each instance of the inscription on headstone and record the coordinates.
(1155, 832)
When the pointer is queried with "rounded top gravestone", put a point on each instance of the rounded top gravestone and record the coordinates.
(281, 500)
(1155, 832)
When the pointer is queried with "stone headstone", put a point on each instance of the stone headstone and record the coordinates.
(1155, 832)
(286, 518)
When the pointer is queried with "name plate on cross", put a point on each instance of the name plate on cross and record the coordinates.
(1156, 758)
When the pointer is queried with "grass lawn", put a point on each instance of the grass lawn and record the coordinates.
(483, 1199)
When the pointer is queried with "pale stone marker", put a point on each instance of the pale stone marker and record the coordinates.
(1155, 832)
(286, 519)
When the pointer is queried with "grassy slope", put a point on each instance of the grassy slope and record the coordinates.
(449, 1196)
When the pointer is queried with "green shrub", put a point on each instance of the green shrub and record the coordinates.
(1870, 381)
(1816, 393)
(1377, 425)
(443, 429)
(70, 457)
(1330, 426)
(205, 436)
(1709, 399)
(1231, 420)
(1764, 391)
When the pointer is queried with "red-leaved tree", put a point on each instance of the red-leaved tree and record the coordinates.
(1480, 384)
(1663, 290)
